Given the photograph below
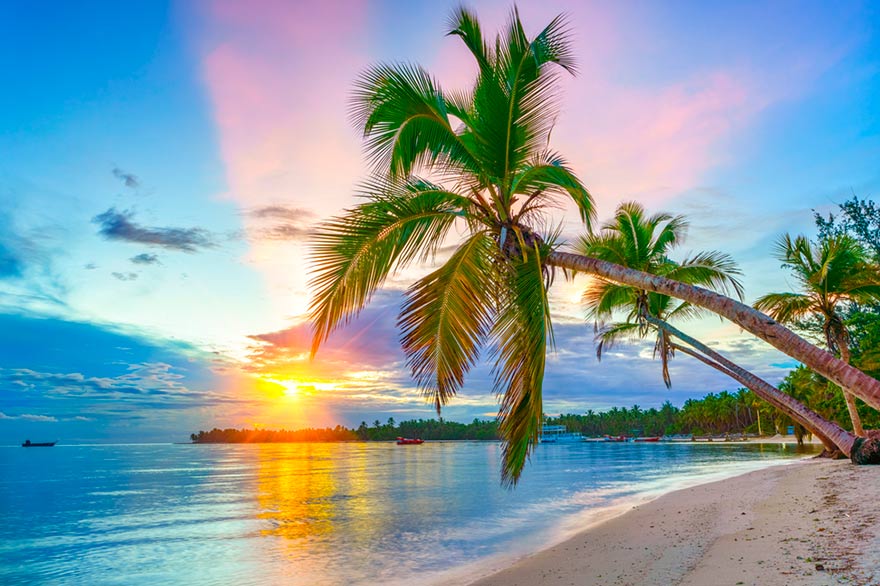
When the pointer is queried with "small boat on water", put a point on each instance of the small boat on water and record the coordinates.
(646, 439)
(677, 438)
(606, 438)
(558, 434)
(30, 444)
(409, 441)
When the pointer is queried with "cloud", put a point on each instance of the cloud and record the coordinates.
(125, 276)
(145, 259)
(368, 343)
(283, 212)
(281, 222)
(155, 384)
(28, 417)
(130, 180)
(115, 225)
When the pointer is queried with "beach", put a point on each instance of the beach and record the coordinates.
(814, 522)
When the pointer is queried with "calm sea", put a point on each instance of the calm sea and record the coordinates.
(312, 514)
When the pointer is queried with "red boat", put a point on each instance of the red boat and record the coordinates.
(646, 439)
(408, 441)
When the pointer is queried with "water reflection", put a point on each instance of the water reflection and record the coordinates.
(296, 486)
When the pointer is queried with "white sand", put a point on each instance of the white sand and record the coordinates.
(815, 522)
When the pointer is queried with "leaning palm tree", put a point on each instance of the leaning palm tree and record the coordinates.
(637, 240)
(832, 273)
(480, 160)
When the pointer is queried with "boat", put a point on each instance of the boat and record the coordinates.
(558, 434)
(30, 444)
(409, 441)
(677, 438)
(646, 439)
(606, 438)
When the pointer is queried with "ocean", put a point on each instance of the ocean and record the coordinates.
(316, 514)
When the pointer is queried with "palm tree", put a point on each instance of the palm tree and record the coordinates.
(835, 271)
(480, 160)
(636, 240)
(490, 149)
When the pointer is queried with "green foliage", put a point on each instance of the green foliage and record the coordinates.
(638, 241)
(715, 414)
(831, 273)
(858, 218)
(446, 317)
(488, 149)
(825, 398)
(427, 429)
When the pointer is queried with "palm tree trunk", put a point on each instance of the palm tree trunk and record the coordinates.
(762, 389)
(843, 345)
(828, 431)
(752, 320)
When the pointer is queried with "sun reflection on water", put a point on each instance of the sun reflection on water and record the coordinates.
(296, 490)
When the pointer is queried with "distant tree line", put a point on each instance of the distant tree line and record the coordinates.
(715, 414)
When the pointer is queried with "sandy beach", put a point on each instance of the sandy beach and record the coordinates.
(815, 522)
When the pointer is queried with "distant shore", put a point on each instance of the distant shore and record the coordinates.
(814, 522)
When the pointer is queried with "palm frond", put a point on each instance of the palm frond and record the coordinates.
(712, 269)
(464, 24)
(548, 174)
(608, 335)
(673, 230)
(530, 90)
(683, 310)
(785, 307)
(603, 298)
(521, 334)
(447, 316)
(405, 121)
(353, 254)
(604, 245)
(664, 347)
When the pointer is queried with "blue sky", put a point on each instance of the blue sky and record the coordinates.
(162, 164)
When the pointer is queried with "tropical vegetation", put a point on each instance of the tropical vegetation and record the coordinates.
(480, 161)
(636, 240)
(831, 273)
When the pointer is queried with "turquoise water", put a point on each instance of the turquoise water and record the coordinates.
(315, 514)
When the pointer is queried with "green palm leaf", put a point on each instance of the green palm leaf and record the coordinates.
(521, 334)
(548, 175)
(354, 253)
(447, 316)
(709, 269)
(405, 120)
(785, 307)
(609, 335)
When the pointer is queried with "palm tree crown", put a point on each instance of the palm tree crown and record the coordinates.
(638, 241)
(479, 159)
(837, 270)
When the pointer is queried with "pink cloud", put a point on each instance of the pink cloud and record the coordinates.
(278, 75)
(654, 143)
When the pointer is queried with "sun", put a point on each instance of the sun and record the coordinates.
(291, 388)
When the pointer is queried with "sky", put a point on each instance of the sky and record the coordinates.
(163, 164)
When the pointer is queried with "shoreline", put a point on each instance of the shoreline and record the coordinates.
(810, 522)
